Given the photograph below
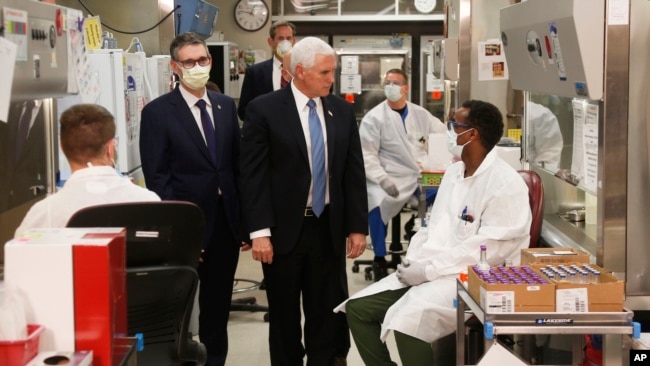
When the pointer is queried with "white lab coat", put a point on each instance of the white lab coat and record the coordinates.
(395, 150)
(86, 187)
(545, 138)
(497, 198)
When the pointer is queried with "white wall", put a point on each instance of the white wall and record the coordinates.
(232, 33)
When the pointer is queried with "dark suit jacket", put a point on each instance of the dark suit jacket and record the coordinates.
(176, 161)
(276, 176)
(18, 174)
(258, 80)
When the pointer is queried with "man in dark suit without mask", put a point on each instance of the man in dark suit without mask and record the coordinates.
(299, 227)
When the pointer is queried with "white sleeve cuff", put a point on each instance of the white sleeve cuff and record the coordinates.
(261, 233)
(430, 272)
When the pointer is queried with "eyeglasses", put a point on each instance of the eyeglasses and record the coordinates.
(398, 83)
(188, 64)
(451, 124)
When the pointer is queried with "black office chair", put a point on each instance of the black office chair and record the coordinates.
(163, 245)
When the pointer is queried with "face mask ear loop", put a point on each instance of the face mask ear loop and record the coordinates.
(117, 170)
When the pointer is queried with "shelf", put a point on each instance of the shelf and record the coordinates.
(354, 10)
(358, 18)
(558, 233)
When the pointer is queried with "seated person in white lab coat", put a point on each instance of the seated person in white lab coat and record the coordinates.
(394, 138)
(545, 137)
(88, 142)
(481, 200)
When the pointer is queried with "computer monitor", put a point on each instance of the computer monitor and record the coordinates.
(195, 16)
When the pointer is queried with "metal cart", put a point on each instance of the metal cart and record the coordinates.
(608, 324)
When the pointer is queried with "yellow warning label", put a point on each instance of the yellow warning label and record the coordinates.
(93, 33)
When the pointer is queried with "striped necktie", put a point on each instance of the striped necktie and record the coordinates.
(317, 160)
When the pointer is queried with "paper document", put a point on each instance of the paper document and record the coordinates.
(7, 64)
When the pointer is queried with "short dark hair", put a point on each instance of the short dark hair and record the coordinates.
(400, 72)
(487, 119)
(282, 23)
(184, 39)
(85, 130)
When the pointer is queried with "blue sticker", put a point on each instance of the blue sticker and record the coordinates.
(581, 89)
(130, 83)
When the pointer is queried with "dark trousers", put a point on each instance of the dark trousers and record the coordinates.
(313, 271)
(365, 315)
(343, 338)
(216, 274)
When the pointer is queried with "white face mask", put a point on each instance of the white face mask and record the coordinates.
(282, 48)
(196, 77)
(393, 92)
(455, 149)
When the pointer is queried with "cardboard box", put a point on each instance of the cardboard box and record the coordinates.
(74, 284)
(553, 255)
(509, 298)
(606, 296)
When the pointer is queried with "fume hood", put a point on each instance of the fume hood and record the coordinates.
(362, 65)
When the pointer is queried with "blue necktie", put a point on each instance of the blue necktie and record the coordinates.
(208, 129)
(317, 160)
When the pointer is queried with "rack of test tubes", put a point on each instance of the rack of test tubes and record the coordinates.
(573, 273)
(512, 275)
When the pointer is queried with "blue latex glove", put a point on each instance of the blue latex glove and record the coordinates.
(411, 273)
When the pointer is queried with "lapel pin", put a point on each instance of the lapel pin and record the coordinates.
(218, 106)
(330, 113)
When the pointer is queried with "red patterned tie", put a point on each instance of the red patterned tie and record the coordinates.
(283, 81)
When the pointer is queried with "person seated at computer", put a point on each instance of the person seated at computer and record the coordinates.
(394, 138)
(481, 200)
(88, 141)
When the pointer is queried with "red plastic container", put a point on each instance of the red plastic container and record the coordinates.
(19, 352)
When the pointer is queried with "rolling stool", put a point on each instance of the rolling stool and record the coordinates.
(247, 303)
(395, 249)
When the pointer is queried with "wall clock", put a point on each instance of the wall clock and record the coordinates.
(251, 15)
(424, 6)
